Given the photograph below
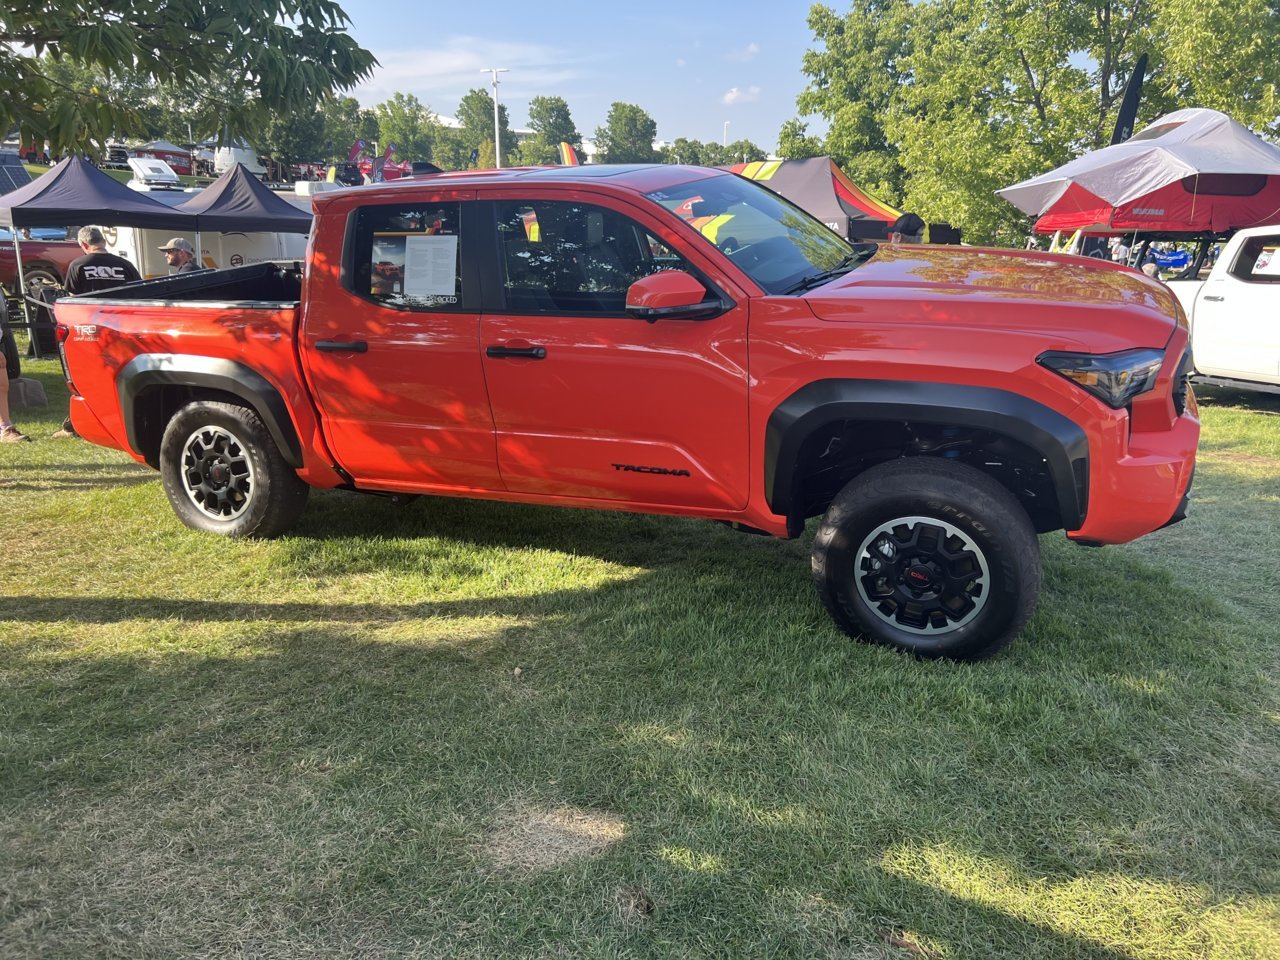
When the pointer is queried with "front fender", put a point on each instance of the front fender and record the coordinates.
(1060, 441)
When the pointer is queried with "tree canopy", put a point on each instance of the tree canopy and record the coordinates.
(938, 103)
(408, 123)
(627, 136)
(246, 59)
(552, 124)
(475, 113)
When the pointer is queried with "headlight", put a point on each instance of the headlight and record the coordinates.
(1114, 378)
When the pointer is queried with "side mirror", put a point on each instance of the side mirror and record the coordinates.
(671, 295)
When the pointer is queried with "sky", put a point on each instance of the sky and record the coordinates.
(693, 66)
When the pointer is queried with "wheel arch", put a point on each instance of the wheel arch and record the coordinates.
(152, 386)
(819, 411)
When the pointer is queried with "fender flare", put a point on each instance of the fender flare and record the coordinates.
(1060, 441)
(211, 373)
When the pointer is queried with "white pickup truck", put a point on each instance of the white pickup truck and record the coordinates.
(1235, 313)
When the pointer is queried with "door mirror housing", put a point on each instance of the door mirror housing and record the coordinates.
(671, 295)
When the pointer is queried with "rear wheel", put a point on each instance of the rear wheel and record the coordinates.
(928, 556)
(224, 474)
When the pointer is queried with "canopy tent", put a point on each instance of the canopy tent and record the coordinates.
(77, 192)
(1190, 171)
(240, 201)
(821, 188)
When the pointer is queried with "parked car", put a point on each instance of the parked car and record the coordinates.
(565, 336)
(1235, 330)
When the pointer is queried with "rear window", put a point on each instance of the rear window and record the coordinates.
(408, 257)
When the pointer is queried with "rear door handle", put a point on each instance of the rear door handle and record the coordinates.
(533, 353)
(342, 346)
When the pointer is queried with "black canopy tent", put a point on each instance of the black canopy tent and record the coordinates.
(240, 201)
(77, 192)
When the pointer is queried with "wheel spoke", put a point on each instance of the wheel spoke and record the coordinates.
(922, 575)
(217, 473)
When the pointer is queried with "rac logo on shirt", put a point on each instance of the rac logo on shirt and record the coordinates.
(104, 273)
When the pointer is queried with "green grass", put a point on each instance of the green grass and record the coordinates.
(482, 730)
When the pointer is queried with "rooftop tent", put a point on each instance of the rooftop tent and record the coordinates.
(77, 192)
(821, 188)
(239, 201)
(1190, 171)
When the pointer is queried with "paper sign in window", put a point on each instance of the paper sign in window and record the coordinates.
(430, 266)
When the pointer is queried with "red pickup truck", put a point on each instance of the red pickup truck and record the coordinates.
(566, 336)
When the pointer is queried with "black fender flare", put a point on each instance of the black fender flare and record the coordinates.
(211, 373)
(1060, 441)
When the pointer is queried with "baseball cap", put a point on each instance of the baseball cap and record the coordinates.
(179, 243)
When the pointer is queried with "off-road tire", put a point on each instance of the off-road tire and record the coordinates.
(224, 474)
(928, 556)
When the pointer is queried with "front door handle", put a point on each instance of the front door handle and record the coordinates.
(342, 346)
(533, 353)
(1214, 299)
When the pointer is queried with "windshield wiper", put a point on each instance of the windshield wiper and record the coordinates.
(816, 280)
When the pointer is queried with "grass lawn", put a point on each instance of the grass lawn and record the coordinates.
(455, 729)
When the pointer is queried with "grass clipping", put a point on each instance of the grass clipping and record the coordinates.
(525, 837)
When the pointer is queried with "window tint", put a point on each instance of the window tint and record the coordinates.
(408, 257)
(571, 258)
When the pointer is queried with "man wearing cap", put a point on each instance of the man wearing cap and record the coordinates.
(179, 253)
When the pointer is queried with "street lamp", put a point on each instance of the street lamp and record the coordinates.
(725, 140)
(497, 133)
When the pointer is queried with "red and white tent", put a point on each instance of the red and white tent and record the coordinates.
(1190, 171)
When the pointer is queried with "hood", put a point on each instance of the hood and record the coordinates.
(1002, 289)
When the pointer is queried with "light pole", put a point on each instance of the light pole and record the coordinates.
(497, 133)
(724, 142)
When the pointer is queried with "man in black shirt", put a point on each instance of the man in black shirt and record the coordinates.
(179, 253)
(97, 269)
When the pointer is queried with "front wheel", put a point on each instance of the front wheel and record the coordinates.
(931, 557)
(224, 474)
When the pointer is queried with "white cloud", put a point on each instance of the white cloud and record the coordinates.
(738, 95)
(680, 62)
(440, 75)
(743, 55)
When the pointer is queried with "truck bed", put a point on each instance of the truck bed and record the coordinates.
(260, 284)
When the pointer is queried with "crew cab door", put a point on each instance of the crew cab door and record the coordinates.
(1237, 315)
(588, 401)
(390, 343)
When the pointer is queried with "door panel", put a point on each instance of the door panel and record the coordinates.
(411, 408)
(615, 408)
(1237, 316)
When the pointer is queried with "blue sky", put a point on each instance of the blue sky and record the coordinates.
(691, 65)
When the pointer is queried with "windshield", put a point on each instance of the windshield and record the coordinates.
(774, 242)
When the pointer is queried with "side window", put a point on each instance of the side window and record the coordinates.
(1258, 260)
(407, 256)
(574, 258)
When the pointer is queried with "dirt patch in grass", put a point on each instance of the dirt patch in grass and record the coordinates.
(530, 837)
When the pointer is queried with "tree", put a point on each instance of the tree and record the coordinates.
(475, 113)
(552, 124)
(293, 138)
(345, 122)
(627, 136)
(245, 59)
(409, 124)
(794, 142)
(709, 154)
(938, 103)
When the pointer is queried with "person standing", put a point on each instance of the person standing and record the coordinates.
(180, 255)
(96, 270)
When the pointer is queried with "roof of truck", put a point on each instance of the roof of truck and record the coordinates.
(631, 178)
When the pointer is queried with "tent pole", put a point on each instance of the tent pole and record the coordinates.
(22, 295)
(199, 251)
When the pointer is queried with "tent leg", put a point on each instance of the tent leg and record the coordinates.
(27, 313)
